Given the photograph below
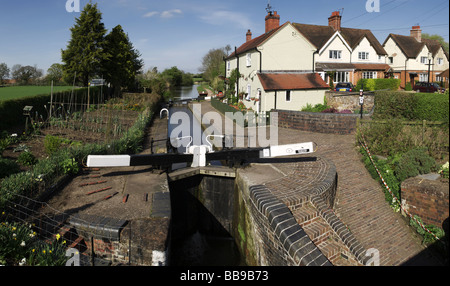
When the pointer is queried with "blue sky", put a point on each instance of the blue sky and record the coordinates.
(180, 32)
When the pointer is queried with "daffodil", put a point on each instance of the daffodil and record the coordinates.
(58, 236)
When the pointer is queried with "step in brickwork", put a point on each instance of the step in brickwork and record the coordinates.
(320, 225)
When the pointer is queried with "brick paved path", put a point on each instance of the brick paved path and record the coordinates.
(360, 201)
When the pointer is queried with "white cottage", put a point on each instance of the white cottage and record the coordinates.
(279, 68)
(281, 54)
(410, 56)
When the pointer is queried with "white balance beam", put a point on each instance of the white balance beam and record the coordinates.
(94, 161)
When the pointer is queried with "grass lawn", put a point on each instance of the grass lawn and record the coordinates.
(7, 93)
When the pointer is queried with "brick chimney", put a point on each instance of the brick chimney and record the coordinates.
(416, 32)
(272, 21)
(249, 36)
(335, 21)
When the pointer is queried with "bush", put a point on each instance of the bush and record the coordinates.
(388, 175)
(411, 106)
(52, 144)
(415, 162)
(432, 107)
(8, 167)
(378, 84)
(26, 159)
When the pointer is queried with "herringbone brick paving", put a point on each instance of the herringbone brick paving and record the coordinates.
(360, 201)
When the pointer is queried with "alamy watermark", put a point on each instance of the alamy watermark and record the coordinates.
(373, 6)
(73, 6)
(249, 127)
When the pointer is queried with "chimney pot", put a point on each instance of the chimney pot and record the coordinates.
(335, 21)
(272, 21)
(416, 32)
(249, 36)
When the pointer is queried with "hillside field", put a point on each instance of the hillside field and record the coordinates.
(14, 92)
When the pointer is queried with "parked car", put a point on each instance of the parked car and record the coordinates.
(428, 87)
(344, 86)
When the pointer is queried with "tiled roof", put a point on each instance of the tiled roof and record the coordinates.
(412, 48)
(444, 74)
(319, 36)
(250, 45)
(272, 82)
(350, 66)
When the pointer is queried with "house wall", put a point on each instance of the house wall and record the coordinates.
(335, 45)
(365, 46)
(299, 99)
(287, 50)
(403, 66)
(396, 53)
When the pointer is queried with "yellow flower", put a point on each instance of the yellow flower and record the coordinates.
(33, 250)
(64, 242)
(43, 251)
(58, 236)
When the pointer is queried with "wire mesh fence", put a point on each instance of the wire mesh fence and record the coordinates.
(34, 233)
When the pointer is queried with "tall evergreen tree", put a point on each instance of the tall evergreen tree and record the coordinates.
(124, 63)
(86, 49)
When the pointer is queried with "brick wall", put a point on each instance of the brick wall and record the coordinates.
(318, 122)
(427, 199)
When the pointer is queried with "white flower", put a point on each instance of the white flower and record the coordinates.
(22, 262)
(23, 244)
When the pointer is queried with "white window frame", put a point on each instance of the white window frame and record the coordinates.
(249, 92)
(369, 75)
(440, 61)
(423, 77)
(249, 60)
(335, 54)
(341, 76)
(363, 56)
(228, 66)
(424, 60)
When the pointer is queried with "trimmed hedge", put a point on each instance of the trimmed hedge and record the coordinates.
(11, 111)
(378, 84)
(412, 106)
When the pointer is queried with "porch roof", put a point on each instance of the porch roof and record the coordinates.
(275, 82)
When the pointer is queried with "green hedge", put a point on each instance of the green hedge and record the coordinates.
(11, 111)
(412, 106)
(378, 84)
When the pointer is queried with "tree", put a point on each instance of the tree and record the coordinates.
(213, 64)
(4, 72)
(55, 73)
(123, 63)
(173, 76)
(86, 49)
(26, 74)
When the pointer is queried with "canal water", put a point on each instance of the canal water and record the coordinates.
(191, 244)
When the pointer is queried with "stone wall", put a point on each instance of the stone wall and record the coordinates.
(427, 199)
(343, 101)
